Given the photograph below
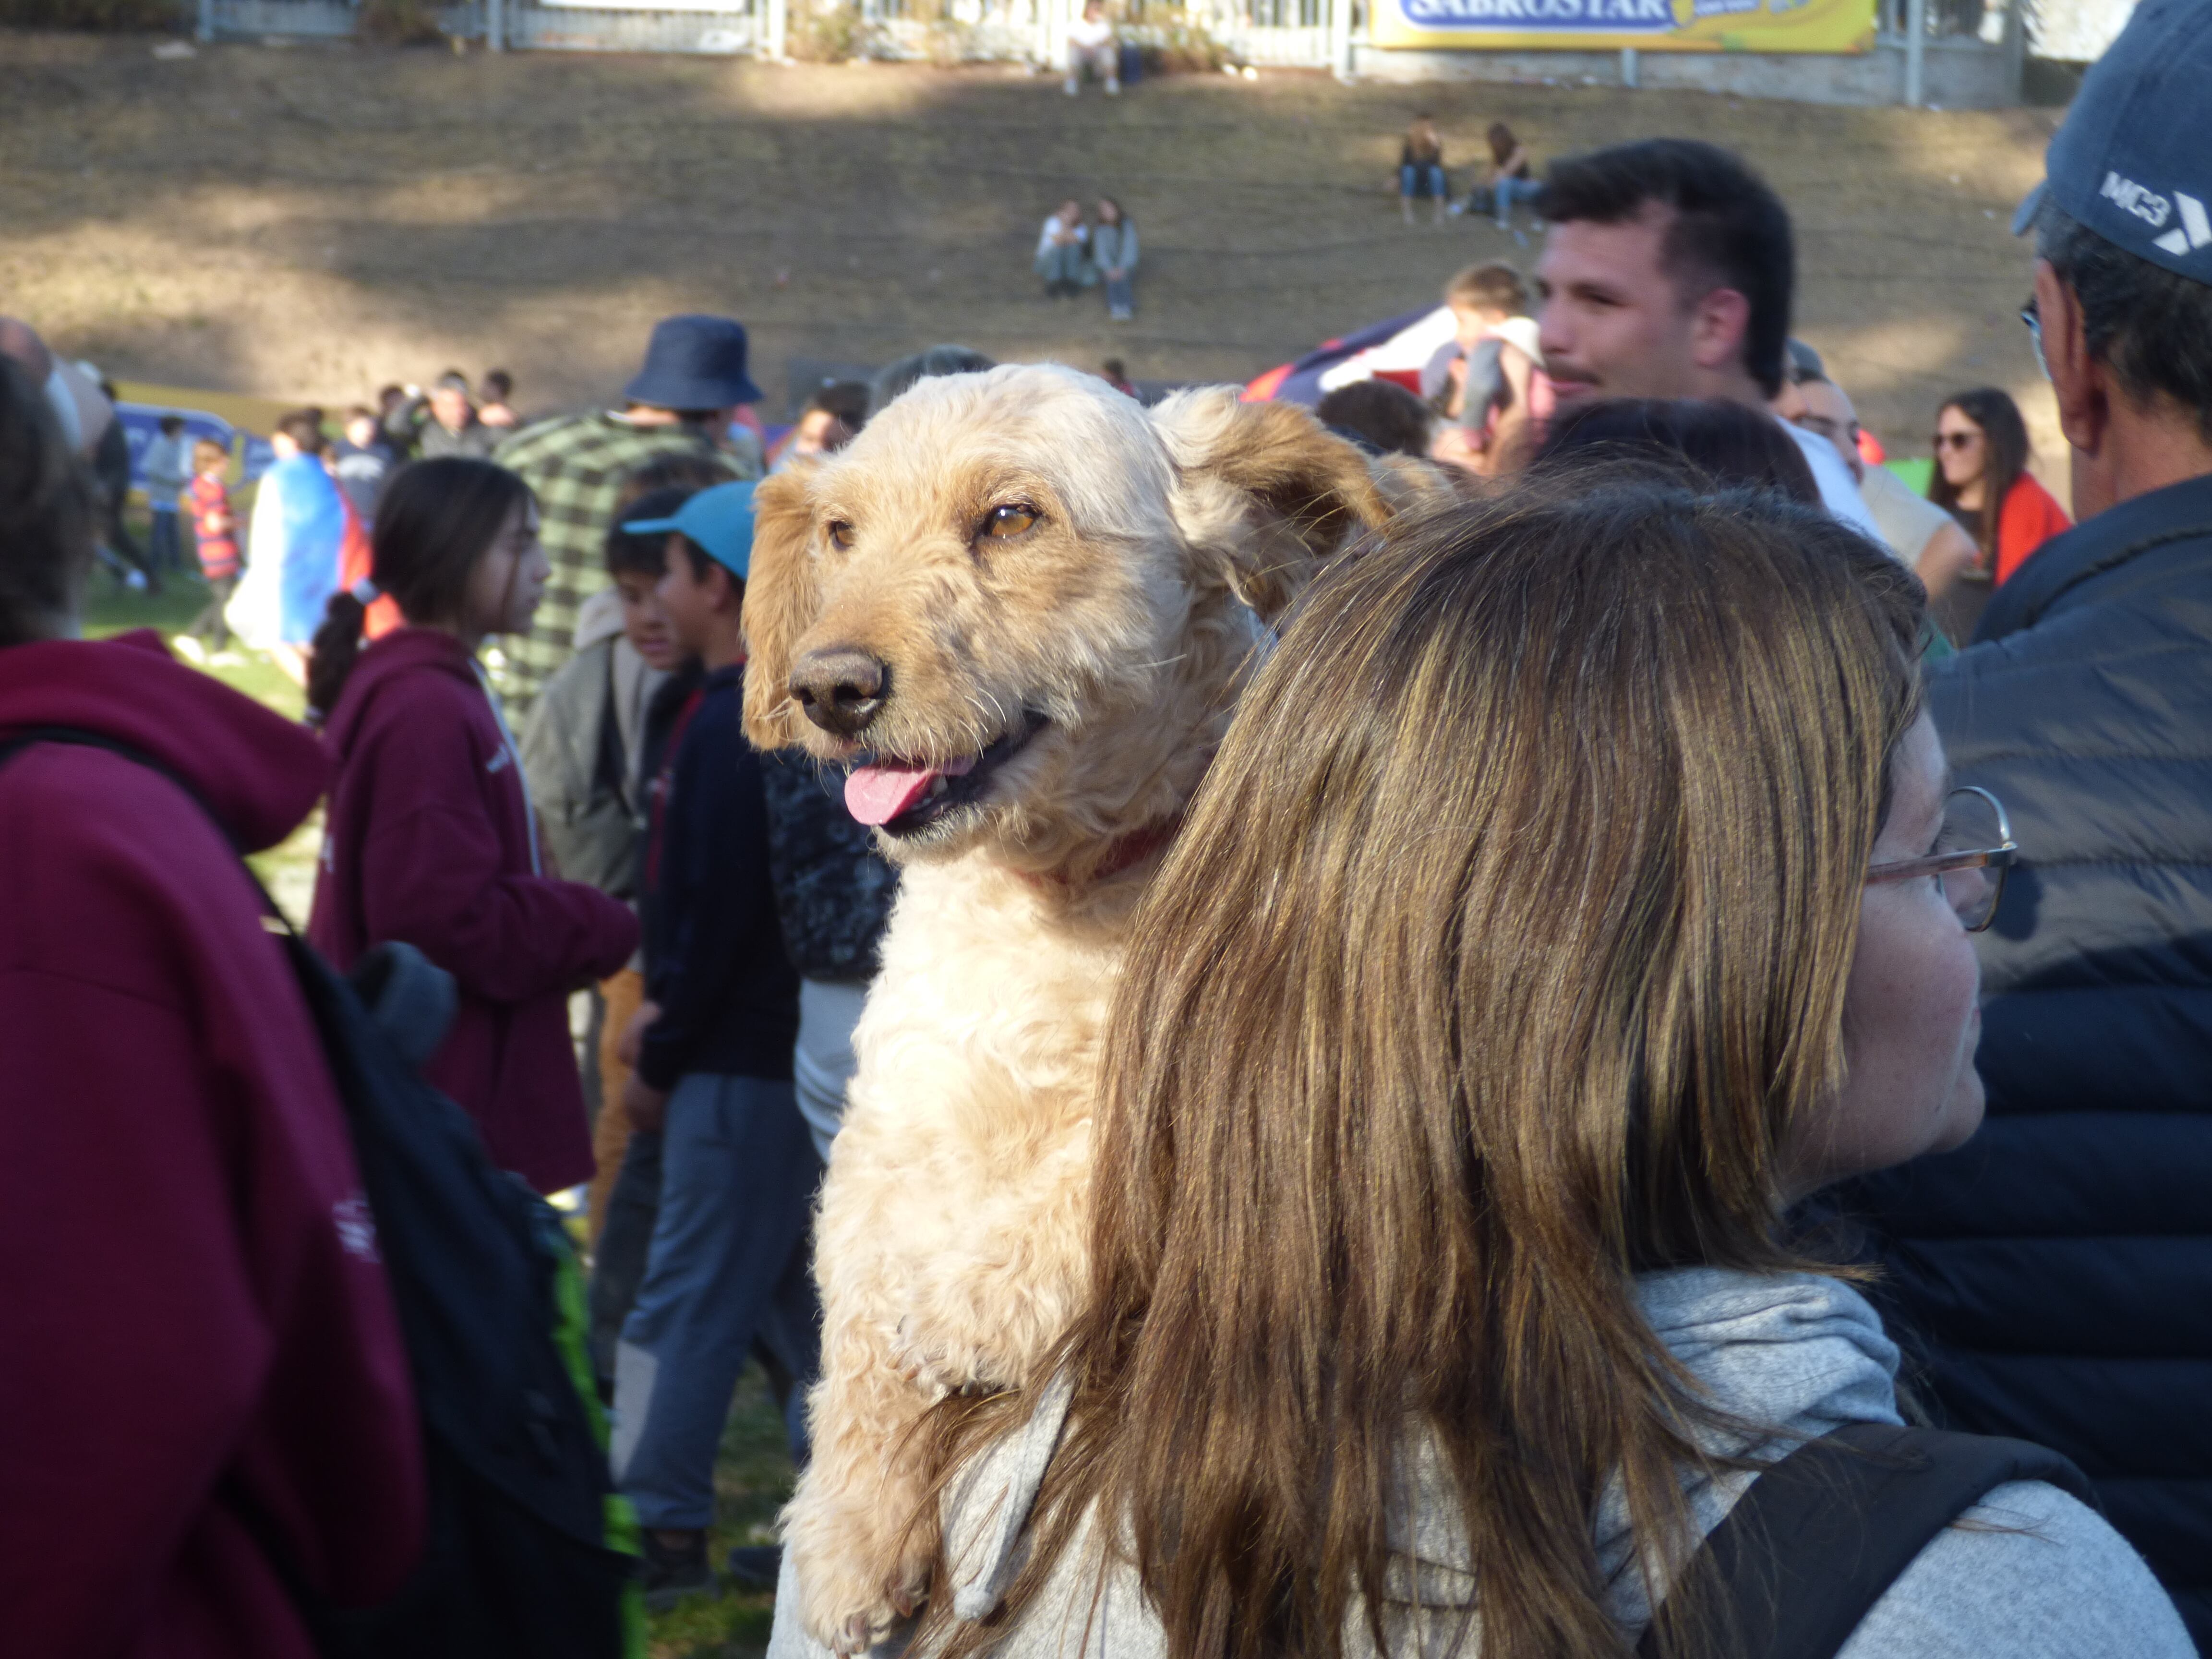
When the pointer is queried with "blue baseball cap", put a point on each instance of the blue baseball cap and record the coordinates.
(719, 521)
(2130, 162)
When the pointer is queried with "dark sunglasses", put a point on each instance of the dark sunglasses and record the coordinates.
(1956, 440)
(2029, 314)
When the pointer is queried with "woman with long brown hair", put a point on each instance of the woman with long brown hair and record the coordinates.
(1981, 479)
(1578, 887)
(1508, 177)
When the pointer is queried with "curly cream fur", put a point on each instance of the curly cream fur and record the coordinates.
(950, 1242)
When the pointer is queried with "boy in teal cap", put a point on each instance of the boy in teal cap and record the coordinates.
(713, 1075)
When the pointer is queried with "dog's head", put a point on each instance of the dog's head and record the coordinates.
(1019, 604)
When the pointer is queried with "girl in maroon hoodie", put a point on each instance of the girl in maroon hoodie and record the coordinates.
(194, 1321)
(430, 837)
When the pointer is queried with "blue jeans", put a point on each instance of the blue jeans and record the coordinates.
(1499, 202)
(1121, 295)
(1425, 180)
(728, 1262)
(1066, 267)
(164, 548)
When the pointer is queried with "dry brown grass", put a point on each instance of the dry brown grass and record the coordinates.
(309, 221)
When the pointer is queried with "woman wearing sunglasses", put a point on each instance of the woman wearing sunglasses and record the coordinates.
(1982, 479)
(1579, 886)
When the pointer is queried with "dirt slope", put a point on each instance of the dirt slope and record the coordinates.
(309, 221)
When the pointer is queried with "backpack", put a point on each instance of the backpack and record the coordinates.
(529, 1553)
(1821, 1535)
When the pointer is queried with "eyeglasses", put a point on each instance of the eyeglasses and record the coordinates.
(2031, 315)
(1957, 440)
(1972, 855)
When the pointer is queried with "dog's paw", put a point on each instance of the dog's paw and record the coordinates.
(847, 1611)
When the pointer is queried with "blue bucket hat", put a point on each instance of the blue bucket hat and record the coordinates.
(695, 363)
(718, 521)
(2130, 162)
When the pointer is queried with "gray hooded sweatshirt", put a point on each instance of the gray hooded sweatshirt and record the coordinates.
(2034, 1575)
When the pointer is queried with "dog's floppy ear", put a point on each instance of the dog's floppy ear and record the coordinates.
(781, 602)
(1265, 495)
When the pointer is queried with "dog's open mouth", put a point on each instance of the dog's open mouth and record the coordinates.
(902, 797)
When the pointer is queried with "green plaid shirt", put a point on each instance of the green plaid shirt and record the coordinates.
(577, 464)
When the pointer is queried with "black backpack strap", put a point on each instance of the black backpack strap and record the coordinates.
(1821, 1535)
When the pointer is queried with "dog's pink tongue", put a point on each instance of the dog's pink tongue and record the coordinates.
(877, 794)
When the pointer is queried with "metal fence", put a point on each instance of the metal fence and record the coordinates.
(1286, 33)
(719, 27)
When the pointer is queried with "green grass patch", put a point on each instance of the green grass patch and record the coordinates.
(752, 1480)
(288, 869)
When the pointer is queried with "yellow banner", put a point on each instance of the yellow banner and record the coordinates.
(1813, 25)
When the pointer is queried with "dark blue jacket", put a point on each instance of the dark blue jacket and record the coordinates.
(714, 957)
(2056, 1273)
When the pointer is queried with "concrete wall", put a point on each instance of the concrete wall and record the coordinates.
(1960, 74)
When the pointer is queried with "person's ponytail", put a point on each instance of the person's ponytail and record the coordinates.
(331, 657)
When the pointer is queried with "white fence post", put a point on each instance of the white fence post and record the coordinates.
(495, 25)
(206, 29)
(1916, 52)
(1339, 37)
(1628, 66)
(776, 23)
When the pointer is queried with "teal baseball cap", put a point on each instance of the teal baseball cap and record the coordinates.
(720, 521)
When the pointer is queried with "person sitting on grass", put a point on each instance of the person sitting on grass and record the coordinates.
(1113, 251)
(1063, 252)
(1421, 168)
(1508, 177)
(1091, 45)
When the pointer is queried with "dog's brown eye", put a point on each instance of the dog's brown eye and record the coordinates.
(1009, 520)
(841, 534)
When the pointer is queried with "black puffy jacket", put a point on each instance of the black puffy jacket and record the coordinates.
(2055, 1274)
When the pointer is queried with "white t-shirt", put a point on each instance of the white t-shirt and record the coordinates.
(1839, 491)
(1908, 522)
(1052, 228)
(1088, 32)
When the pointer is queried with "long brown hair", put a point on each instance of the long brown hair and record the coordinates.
(2004, 458)
(1503, 945)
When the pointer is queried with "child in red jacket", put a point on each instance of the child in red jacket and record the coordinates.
(431, 837)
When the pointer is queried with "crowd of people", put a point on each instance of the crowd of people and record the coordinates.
(1650, 959)
(1486, 398)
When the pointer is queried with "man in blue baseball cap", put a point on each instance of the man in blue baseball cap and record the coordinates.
(713, 1073)
(2058, 1267)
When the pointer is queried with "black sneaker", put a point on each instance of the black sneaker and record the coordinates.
(672, 1573)
(754, 1566)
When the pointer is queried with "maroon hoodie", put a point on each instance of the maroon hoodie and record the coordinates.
(428, 840)
(191, 1301)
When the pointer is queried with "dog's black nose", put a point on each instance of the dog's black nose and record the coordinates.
(841, 689)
